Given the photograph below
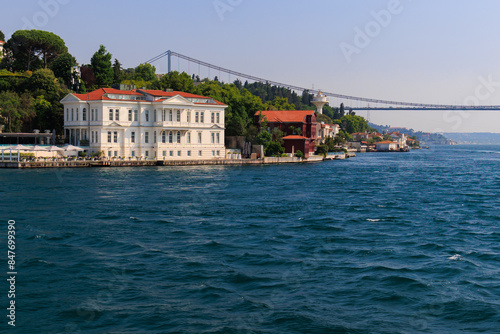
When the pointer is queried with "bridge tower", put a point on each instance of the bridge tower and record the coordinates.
(319, 101)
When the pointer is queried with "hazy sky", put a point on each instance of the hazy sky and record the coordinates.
(445, 51)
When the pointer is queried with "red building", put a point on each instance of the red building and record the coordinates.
(299, 126)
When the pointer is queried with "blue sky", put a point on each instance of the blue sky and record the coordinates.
(423, 51)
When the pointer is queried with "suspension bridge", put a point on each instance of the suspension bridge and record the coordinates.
(350, 102)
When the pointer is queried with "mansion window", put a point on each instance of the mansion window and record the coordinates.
(115, 137)
(110, 114)
(213, 118)
(117, 115)
(178, 115)
(188, 138)
(200, 153)
(188, 153)
(146, 115)
(154, 116)
(217, 136)
(170, 137)
(154, 136)
(196, 117)
(170, 117)
(132, 137)
(72, 118)
(189, 117)
(178, 137)
(130, 115)
(146, 137)
(163, 116)
(213, 138)
(218, 117)
(109, 136)
(84, 114)
(135, 115)
(77, 114)
(163, 137)
(202, 117)
(199, 137)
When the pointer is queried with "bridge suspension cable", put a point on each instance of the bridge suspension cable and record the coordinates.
(401, 105)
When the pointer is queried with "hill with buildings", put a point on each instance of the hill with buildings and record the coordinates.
(476, 138)
(425, 138)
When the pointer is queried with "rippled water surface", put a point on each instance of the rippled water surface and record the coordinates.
(382, 243)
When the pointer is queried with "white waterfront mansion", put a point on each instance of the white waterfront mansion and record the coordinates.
(146, 123)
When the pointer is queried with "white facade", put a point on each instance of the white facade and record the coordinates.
(326, 131)
(147, 124)
(1, 49)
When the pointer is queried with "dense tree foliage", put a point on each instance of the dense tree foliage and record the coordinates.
(352, 124)
(29, 50)
(62, 68)
(2, 36)
(101, 65)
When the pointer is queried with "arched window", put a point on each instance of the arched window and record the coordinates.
(163, 137)
(170, 137)
(178, 137)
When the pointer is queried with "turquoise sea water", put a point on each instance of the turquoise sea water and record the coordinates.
(382, 243)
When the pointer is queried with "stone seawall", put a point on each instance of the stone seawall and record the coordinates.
(132, 163)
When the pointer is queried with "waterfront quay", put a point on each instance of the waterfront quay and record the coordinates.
(143, 163)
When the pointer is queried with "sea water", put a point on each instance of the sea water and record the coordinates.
(380, 243)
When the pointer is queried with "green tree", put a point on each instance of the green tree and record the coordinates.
(117, 72)
(50, 46)
(322, 150)
(32, 49)
(9, 109)
(146, 72)
(279, 103)
(2, 36)
(274, 148)
(103, 70)
(43, 110)
(177, 82)
(263, 138)
(43, 82)
(352, 124)
(62, 67)
(16, 110)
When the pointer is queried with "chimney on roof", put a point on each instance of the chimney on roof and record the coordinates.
(169, 90)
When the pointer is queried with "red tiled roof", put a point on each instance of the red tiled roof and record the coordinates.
(285, 116)
(161, 93)
(295, 137)
(2, 42)
(386, 142)
(99, 94)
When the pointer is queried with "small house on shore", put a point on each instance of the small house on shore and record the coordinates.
(386, 146)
